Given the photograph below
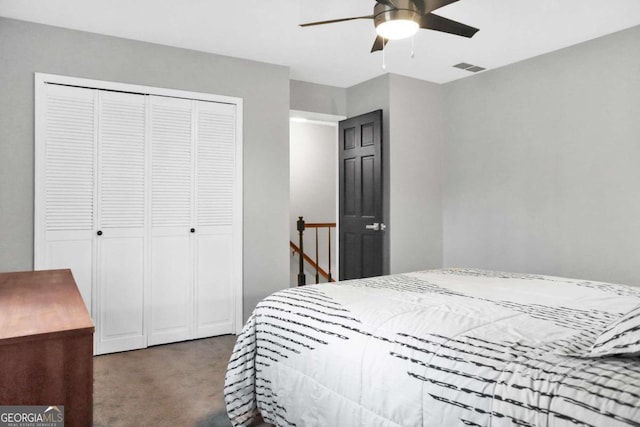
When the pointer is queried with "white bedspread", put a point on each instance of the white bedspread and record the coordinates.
(438, 348)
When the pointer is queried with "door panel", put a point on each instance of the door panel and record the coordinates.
(368, 134)
(371, 251)
(349, 135)
(368, 187)
(74, 250)
(349, 180)
(214, 314)
(171, 297)
(350, 255)
(361, 202)
(120, 302)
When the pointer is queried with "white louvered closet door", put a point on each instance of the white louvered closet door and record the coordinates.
(64, 184)
(215, 174)
(172, 205)
(140, 195)
(120, 222)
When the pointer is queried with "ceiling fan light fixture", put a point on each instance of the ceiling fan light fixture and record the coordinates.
(397, 20)
(397, 29)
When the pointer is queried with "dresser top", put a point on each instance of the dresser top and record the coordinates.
(34, 304)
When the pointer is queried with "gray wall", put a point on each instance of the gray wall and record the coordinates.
(318, 98)
(542, 164)
(415, 154)
(26, 48)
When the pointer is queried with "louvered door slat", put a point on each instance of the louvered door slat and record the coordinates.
(171, 164)
(215, 163)
(122, 160)
(69, 170)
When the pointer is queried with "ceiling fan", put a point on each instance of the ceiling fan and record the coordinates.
(398, 19)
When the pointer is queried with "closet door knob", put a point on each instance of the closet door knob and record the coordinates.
(99, 233)
(193, 230)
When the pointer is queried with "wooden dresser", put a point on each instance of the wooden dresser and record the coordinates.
(46, 344)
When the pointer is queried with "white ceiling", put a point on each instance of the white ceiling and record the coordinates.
(338, 54)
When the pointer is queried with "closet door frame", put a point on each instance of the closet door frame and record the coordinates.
(40, 81)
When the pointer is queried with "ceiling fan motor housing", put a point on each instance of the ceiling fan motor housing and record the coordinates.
(404, 9)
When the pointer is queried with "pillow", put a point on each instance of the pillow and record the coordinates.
(620, 337)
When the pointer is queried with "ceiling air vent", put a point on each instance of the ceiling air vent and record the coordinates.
(469, 67)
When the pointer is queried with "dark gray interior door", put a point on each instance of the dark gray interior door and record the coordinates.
(361, 222)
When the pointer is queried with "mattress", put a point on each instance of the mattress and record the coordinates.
(450, 347)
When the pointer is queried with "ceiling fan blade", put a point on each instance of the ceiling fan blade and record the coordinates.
(420, 5)
(438, 23)
(331, 21)
(437, 4)
(379, 44)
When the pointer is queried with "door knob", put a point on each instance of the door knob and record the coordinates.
(376, 226)
(193, 230)
(99, 233)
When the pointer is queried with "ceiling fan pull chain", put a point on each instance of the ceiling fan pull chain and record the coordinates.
(412, 51)
(384, 62)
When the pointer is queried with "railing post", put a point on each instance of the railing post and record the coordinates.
(317, 260)
(302, 279)
(329, 278)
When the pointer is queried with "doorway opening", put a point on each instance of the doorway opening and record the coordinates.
(313, 192)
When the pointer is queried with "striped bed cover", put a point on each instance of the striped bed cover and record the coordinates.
(451, 347)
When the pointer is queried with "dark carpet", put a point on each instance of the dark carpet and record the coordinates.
(177, 384)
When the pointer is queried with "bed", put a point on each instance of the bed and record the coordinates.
(450, 347)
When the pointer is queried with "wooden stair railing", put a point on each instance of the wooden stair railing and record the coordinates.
(301, 226)
(295, 249)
